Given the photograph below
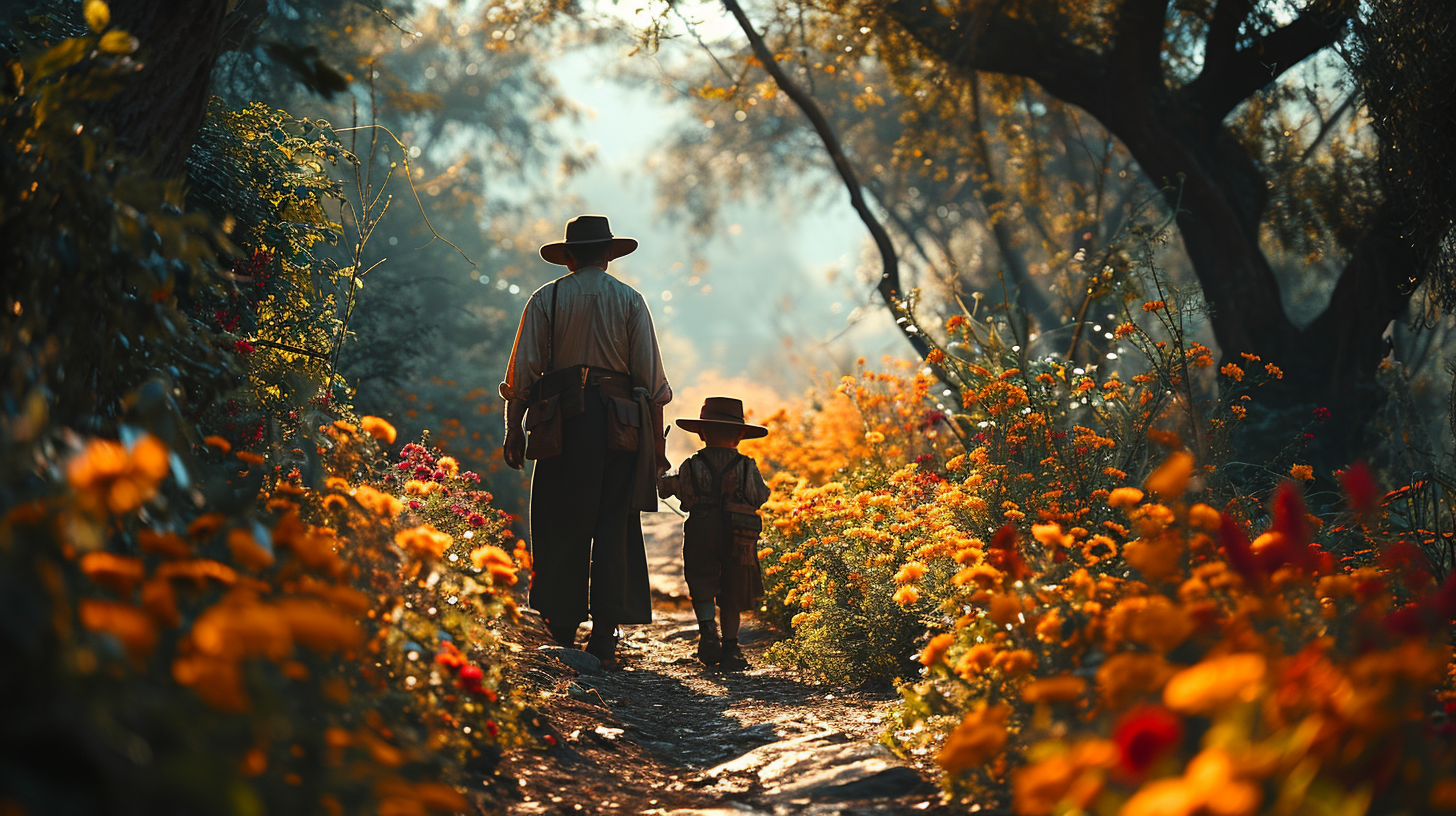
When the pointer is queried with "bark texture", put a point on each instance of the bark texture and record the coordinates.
(157, 114)
(1178, 138)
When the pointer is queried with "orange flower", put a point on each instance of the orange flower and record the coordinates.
(218, 444)
(495, 561)
(1233, 371)
(424, 541)
(1003, 609)
(1274, 371)
(936, 649)
(1216, 683)
(1063, 688)
(118, 573)
(450, 465)
(250, 457)
(108, 477)
(979, 737)
(1124, 330)
(378, 428)
(1123, 677)
(247, 551)
(128, 624)
(935, 356)
(1303, 473)
(1154, 305)
(911, 572)
(1204, 517)
(1124, 497)
(415, 487)
(1171, 478)
(1155, 622)
(380, 504)
(907, 595)
(166, 544)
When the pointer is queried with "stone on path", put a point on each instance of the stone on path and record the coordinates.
(824, 765)
(580, 661)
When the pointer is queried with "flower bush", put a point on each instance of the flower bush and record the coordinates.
(214, 610)
(1078, 627)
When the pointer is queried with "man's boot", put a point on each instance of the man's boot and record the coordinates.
(603, 644)
(710, 649)
(733, 658)
(563, 633)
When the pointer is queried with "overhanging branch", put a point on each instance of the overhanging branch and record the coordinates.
(889, 285)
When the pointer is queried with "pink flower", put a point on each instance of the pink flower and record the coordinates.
(471, 475)
(476, 520)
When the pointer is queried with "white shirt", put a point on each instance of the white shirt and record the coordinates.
(600, 322)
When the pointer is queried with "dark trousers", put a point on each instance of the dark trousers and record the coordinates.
(586, 544)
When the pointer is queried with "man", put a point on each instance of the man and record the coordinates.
(586, 357)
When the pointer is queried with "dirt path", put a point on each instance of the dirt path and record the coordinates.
(666, 735)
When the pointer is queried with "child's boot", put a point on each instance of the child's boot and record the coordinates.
(710, 649)
(733, 658)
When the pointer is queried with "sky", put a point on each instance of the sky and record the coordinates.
(777, 285)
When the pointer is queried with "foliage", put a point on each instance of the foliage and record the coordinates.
(196, 625)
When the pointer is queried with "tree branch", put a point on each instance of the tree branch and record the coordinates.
(889, 286)
(1230, 76)
(1138, 52)
(983, 40)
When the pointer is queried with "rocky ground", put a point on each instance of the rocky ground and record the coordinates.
(666, 735)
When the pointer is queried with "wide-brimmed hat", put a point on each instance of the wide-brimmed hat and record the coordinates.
(721, 411)
(585, 230)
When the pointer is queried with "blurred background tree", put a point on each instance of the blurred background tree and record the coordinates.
(1008, 144)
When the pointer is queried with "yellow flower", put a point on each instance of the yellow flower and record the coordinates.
(378, 428)
(415, 487)
(379, 503)
(979, 737)
(1216, 683)
(874, 437)
(449, 465)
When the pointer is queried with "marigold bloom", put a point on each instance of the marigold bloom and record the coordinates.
(1233, 371)
(1015, 662)
(378, 428)
(1124, 497)
(118, 573)
(128, 624)
(907, 595)
(1003, 608)
(1216, 683)
(1065, 688)
(979, 737)
(164, 543)
(1274, 371)
(1154, 305)
(910, 573)
(1124, 330)
(1304, 473)
(1125, 676)
(109, 478)
(218, 444)
(249, 457)
(1171, 478)
(1154, 621)
(423, 541)
(936, 648)
(247, 551)
(497, 562)
(874, 437)
(379, 503)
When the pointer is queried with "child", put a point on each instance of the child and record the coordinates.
(721, 489)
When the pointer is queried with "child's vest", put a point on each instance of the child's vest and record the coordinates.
(739, 520)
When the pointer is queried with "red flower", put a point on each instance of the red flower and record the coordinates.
(1145, 734)
(1360, 487)
(243, 347)
(470, 677)
(476, 520)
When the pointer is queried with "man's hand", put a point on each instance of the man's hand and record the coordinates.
(515, 448)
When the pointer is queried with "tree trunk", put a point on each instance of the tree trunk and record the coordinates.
(158, 112)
